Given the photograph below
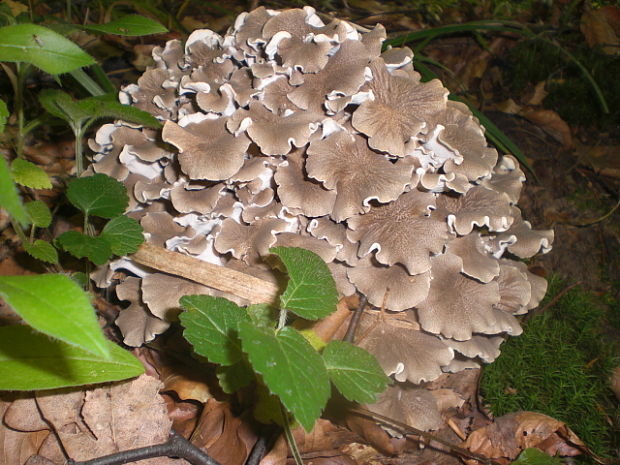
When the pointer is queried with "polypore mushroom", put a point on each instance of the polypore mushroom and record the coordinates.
(288, 131)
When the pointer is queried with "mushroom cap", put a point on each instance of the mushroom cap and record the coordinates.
(206, 149)
(402, 349)
(344, 163)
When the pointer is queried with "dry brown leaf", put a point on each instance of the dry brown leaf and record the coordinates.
(278, 453)
(538, 95)
(223, 436)
(374, 435)
(188, 379)
(184, 415)
(109, 419)
(17, 446)
(604, 159)
(504, 439)
(550, 122)
(23, 415)
(601, 28)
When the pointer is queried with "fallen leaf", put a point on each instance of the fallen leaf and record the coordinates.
(110, 418)
(225, 437)
(601, 27)
(278, 453)
(505, 438)
(17, 446)
(550, 122)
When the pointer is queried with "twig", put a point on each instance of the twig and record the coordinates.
(233, 282)
(350, 335)
(176, 446)
(410, 430)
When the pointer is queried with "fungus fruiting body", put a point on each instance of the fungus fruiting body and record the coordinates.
(290, 131)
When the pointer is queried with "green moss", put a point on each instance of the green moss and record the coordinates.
(560, 366)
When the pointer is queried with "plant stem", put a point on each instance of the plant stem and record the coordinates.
(20, 232)
(289, 436)
(282, 320)
(79, 161)
(19, 107)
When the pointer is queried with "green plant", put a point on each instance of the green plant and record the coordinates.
(251, 345)
(53, 305)
(560, 367)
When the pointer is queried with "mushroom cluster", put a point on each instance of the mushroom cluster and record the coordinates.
(291, 132)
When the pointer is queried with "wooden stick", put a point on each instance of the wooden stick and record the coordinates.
(218, 277)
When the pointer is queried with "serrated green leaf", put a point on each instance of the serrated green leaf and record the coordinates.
(9, 199)
(63, 106)
(263, 315)
(290, 367)
(211, 327)
(533, 456)
(98, 195)
(33, 361)
(42, 47)
(55, 305)
(95, 248)
(124, 235)
(30, 175)
(311, 291)
(108, 106)
(39, 213)
(129, 25)
(42, 250)
(4, 114)
(354, 372)
(267, 408)
(234, 377)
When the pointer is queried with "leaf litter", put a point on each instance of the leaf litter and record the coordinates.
(83, 423)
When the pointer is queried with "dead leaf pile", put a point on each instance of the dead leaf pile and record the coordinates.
(89, 423)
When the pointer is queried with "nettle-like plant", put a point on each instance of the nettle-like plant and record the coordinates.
(296, 366)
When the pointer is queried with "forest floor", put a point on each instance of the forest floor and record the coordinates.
(539, 100)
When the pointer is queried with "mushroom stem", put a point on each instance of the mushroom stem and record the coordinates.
(224, 279)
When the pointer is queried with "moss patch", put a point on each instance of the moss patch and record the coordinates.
(560, 366)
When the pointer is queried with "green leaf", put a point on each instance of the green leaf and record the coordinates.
(129, 25)
(55, 305)
(39, 213)
(63, 106)
(234, 377)
(42, 250)
(96, 249)
(311, 291)
(98, 195)
(108, 106)
(4, 114)
(533, 456)
(9, 200)
(354, 372)
(30, 175)
(263, 315)
(124, 235)
(290, 368)
(41, 47)
(211, 327)
(32, 361)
